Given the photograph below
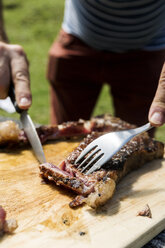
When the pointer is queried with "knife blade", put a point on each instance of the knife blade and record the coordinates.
(32, 135)
(29, 128)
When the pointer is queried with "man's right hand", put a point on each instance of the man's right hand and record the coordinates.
(14, 68)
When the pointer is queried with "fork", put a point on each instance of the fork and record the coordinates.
(99, 151)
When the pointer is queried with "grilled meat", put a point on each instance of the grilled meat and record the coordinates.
(99, 186)
(96, 188)
(11, 135)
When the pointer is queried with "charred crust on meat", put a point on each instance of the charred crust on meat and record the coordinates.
(66, 180)
(65, 221)
(105, 178)
(81, 233)
(133, 155)
(74, 183)
(77, 201)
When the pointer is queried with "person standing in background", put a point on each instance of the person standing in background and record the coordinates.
(121, 43)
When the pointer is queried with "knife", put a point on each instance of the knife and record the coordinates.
(29, 128)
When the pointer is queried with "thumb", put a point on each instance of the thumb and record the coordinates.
(157, 109)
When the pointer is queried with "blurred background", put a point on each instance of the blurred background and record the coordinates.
(34, 25)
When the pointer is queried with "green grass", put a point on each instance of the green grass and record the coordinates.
(34, 25)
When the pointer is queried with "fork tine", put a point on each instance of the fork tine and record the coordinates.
(84, 152)
(88, 157)
(96, 166)
(100, 154)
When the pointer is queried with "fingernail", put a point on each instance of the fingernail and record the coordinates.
(24, 101)
(156, 118)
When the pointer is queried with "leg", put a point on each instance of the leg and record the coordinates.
(69, 104)
(73, 74)
(134, 86)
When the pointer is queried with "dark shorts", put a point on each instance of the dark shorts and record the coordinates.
(77, 73)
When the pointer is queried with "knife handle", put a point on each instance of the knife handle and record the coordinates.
(13, 99)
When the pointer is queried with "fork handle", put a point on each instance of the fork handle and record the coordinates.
(141, 129)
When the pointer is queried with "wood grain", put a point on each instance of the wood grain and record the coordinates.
(45, 219)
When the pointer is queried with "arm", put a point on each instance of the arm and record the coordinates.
(157, 109)
(13, 67)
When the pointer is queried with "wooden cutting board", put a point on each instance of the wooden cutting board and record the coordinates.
(45, 219)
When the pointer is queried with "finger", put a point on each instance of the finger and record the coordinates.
(4, 75)
(157, 109)
(20, 77)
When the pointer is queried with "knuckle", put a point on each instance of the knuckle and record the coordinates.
(22, 76)
(18, 49)
(19, 52)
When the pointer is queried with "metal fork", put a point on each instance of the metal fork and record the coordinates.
(99, 151)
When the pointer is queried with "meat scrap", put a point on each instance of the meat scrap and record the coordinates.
(146, 211)
(96, 188)
(6, 226)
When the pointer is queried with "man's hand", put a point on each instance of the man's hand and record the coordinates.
(157, 109)
(14, 68)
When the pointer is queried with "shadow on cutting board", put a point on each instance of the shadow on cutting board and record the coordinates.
(125, 190)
